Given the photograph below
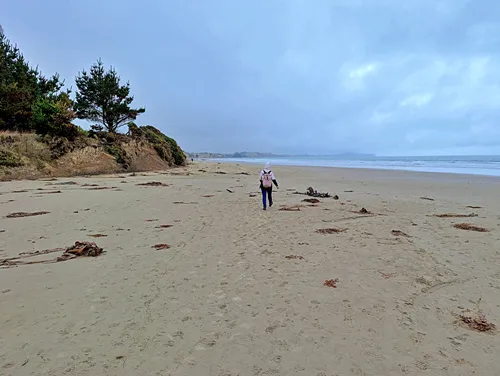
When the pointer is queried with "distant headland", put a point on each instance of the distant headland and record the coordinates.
(260, 155)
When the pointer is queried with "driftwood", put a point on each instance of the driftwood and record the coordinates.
(294, 257)
(468, 226)
(313, 193)
(160, 246)
(153, 184)
(454, 215)
(24, 214)
(80, 249)
(331, 230)
(399, 233)
(85, 249)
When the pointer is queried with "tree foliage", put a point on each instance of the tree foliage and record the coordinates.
(24, 91)
(100, 98)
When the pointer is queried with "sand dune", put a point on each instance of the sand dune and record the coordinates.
(197, 279)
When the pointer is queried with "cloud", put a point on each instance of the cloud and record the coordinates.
(362, 71)
(417, 100)
(325, 76)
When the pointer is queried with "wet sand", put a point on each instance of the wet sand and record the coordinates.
(239, 290)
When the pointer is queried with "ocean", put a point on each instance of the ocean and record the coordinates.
(474, 165)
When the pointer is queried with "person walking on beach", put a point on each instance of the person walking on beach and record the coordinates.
(266, 185)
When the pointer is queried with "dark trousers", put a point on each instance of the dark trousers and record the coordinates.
(269, 193)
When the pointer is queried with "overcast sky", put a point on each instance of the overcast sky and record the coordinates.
(392, 77)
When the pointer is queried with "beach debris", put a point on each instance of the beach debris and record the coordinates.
(100, 188)
(364, 211)
(313, 193)
(252, 195)
(335, 197)
(160, 246)
(331, 283)
(294, 257)
(221, 172)
(20, 191)
(66, 183)
(387, 275)
(164, 226)
(311, 200)
(427, 198)
(25, 214)
(331, 230)
(48, 193)
(291, 207)
(230, 191)
(97, 235)
(207, 196)
(201, 170)
(477, 322)
(184, 203)
(244, 173)
(349, 191)
(87, 249)
(470, 227)
(399, 233)
(454, 215)
(150, 220)
(474, 207)
(90, 185)
(153, 184)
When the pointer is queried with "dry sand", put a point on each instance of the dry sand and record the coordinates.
(224, 299)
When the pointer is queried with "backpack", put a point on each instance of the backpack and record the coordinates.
(267, 181)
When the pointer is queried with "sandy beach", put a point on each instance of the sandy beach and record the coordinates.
(240, 291)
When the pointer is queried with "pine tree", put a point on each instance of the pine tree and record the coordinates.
(100, 98)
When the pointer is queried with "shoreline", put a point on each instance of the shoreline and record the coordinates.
(364, 170)
(408, 169)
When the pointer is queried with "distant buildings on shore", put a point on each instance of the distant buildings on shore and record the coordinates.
(205, 155)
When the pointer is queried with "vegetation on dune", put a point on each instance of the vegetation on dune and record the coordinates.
(31, 103)
(166, 147)
(10, 159)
